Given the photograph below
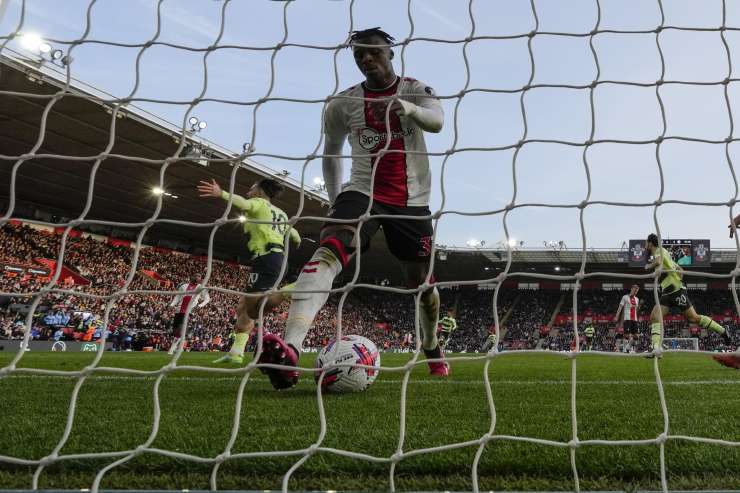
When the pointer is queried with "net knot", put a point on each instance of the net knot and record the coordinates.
(574, 444)
(397, 457)
(726, 81)
(659, 82)
(729, 140)
(658, 29)
(532, 33)
(49, 459)
(661, 439)
(222, 457)
(583, 204)
(659, 139)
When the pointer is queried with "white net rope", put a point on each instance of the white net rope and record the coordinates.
(302, 455)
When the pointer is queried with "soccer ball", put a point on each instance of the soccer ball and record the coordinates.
(351, 349)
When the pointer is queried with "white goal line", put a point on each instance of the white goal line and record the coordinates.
(427, 381)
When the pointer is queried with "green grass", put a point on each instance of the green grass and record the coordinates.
(531, 394)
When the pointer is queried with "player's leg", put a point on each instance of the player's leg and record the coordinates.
(338, 245)
(707, 323)
(410, 241)
(656, 330)
(177, 332)
(730, 360)
(243, 327)
(415, 273)
(264, 275)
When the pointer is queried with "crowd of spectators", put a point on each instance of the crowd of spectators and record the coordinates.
(143, 320)
(533, 311)
(598, 308)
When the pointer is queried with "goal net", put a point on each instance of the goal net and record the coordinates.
(681, 343)
(57, 65)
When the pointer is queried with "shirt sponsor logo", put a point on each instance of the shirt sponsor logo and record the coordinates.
(369, 138)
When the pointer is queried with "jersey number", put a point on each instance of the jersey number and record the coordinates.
(279, 218)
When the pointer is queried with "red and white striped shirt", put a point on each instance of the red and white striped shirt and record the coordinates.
(403, 177)
(629, 304)
(184, 300)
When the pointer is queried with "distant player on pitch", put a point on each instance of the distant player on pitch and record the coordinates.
(447, 326)
(402, 186)
(673, 296)
(182, 302)
(731, 360)
(627, 315)
(266, 245)
(589, 332)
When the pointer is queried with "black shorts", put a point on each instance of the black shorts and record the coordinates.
(409, 240)
(265, 272)
(630, 327)
(177, 322)
(676, 300)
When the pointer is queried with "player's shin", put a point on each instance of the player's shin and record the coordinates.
(428, 319)
(317, 275)
(710, 324)
(655, 335)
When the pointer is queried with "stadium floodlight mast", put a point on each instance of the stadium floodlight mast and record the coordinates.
(161, 191)
(196, 124)
(319, 184)
(34, 43)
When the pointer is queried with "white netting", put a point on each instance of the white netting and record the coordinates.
(302, 455)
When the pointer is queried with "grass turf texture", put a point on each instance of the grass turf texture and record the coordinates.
(617, 400)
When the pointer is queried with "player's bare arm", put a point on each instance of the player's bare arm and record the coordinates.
(734, 225)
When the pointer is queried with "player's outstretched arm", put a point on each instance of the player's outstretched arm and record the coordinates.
(213, 189)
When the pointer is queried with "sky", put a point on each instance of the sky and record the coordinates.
(475, 181)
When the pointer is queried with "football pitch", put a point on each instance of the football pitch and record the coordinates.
(617, 399)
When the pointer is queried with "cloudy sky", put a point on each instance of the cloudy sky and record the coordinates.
(475, 181)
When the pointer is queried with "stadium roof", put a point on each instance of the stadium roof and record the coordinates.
(79, 125)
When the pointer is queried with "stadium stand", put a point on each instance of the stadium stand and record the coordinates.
(99, 265)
